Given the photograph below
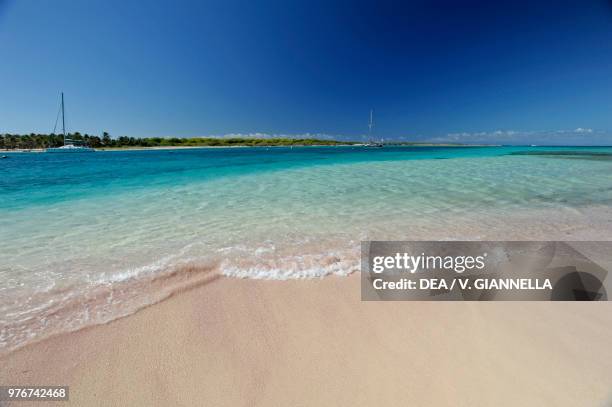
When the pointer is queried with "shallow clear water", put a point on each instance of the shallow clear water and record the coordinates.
(75, 226)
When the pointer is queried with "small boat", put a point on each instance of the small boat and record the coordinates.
(4, 156)
(371, 142)
(70, 146)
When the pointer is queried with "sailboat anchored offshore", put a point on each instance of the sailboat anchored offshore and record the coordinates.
(371, 142)
(70, 146)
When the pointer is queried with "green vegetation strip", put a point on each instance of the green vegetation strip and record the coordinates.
(36, 141)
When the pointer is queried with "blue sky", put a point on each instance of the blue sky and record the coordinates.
(494, 71)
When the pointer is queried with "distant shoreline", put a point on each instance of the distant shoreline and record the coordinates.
(281, 145)
(135, 148)
(154, 148)
(138, 148)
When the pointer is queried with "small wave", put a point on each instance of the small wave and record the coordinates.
(165, 263)
(112, 295)
(306, 258)
(302, 267)
(77, 307)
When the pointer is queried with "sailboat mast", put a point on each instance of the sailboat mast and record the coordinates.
(63, 120)
(371, 123)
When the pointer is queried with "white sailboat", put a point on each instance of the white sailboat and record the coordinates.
(371, 142)
(70, 146)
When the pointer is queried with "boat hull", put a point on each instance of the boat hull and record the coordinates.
(70, 150)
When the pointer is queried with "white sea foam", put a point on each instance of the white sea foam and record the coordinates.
(294, 268)
(162, 264)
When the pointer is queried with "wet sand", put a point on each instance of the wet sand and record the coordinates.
(234, 342)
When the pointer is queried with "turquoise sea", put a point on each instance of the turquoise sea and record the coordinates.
(88, 237)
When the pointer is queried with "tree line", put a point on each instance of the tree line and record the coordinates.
(34, 141)
(38, 141)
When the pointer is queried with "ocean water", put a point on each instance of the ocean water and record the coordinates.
(85, 238)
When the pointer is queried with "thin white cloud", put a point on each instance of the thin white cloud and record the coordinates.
(581, 130)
